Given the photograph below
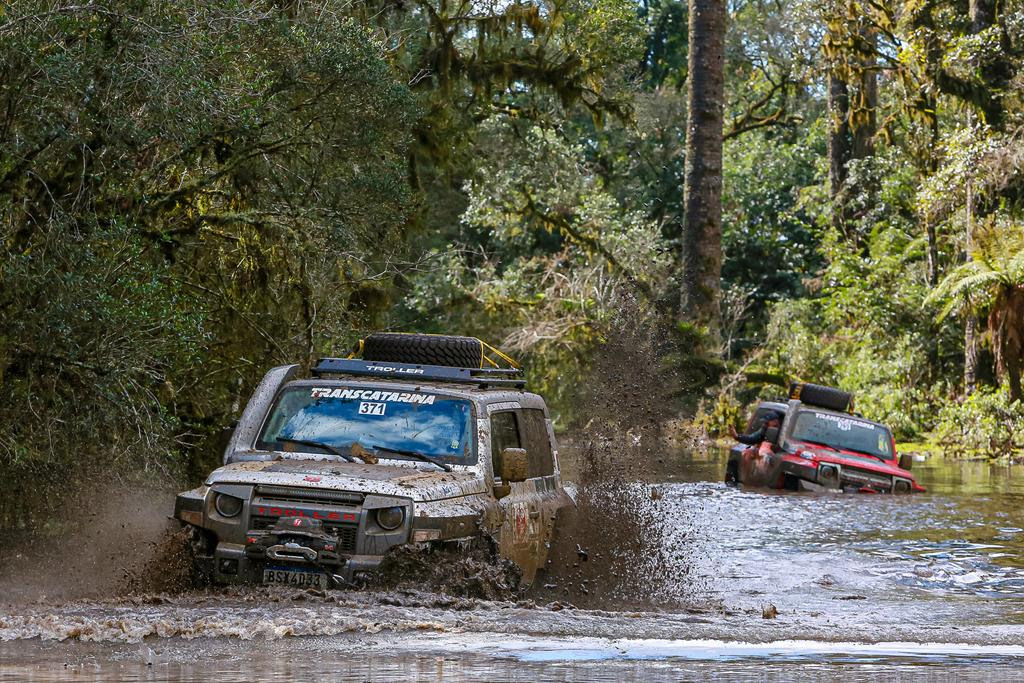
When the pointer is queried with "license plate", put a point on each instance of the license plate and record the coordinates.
(294, 577)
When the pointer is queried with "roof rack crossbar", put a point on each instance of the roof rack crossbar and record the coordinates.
(434, 373)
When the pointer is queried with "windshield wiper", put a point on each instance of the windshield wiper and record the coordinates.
(317, 444)
(413, 454)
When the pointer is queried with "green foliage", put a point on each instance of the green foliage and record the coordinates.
(91, 356)
(769, 240)
(997, 264)
(190, 192)
(665, 49)
(771, 50)
(993, 281)
(985, 424)
(560, 254)
(725, 411)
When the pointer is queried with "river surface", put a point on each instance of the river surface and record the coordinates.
(862, 587)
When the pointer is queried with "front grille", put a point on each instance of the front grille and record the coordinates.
(864, 478)
(298, 495)
(344, 533)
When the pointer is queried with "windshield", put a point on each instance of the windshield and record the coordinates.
(843, 432)
(430, 424)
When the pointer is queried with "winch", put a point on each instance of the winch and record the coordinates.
(294, 539)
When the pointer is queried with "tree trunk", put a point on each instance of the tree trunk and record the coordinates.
(932, 255)
(1006, 326)
(971, 323)
(838, 144)
(970, 353)
(983, 14)
(866, 120)
(933, 168)
(702, 189)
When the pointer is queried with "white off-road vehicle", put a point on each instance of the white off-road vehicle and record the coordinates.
(414, 442)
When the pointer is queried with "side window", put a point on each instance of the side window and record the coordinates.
(758, 418)
(537, 443)
(504, 434)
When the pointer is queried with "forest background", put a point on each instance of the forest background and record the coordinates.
(194, 191)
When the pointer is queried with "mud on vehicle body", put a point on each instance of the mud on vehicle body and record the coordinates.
(325, 474)
(821, 445)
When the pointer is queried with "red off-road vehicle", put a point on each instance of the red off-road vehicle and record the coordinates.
(819, 444)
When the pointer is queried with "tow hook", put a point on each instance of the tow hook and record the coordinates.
(291, 552)
(298, 540)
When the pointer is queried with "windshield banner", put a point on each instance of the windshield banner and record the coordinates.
(372, 395)
(845, 423)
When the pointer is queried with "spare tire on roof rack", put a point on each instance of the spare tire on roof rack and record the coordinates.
(822, 396)
(423, 349)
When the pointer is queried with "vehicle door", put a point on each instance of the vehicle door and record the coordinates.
(759, 464)
(737, 449)
(538, 440)
(519, 537)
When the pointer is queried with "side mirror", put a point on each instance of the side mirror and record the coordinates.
(906, 461)
(771, 435)
(513, 465)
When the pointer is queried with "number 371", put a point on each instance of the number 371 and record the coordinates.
(371, 408)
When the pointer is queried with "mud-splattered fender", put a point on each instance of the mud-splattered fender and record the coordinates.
(760, 465)
(455, 518)
(190, 506)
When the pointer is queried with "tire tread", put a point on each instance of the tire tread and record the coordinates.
(424, 349)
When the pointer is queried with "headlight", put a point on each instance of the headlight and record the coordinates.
(901, 486)
(227, 506)
(391, 518)
(828, 475)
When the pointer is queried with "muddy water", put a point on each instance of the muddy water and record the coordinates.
(864, 587)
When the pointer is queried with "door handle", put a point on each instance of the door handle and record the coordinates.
(534, 514)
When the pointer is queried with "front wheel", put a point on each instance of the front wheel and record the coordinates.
(732, 473)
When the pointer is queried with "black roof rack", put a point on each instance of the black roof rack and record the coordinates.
(482, 377)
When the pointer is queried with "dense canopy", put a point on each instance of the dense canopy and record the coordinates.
(194, 191)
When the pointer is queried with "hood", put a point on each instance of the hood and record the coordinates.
(850, 459)
(387, 480)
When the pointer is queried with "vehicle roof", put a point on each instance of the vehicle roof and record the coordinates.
(784, 407)
(473, 392)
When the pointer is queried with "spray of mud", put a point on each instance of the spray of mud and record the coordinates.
(611, 552)
(99, 548)
(170, 567)
(476, 572)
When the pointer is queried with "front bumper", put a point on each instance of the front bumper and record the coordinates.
(231, 550)
(840, 477)
(228, 564)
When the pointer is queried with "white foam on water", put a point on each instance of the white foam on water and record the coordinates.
(576, 649)
(125, 627)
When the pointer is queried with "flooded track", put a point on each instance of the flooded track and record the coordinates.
(865, 588)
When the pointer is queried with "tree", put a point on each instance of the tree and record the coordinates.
(971, 57)
(556, 257)
(701, 267)
(993, 280)
(190, 192)
(851, 51)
